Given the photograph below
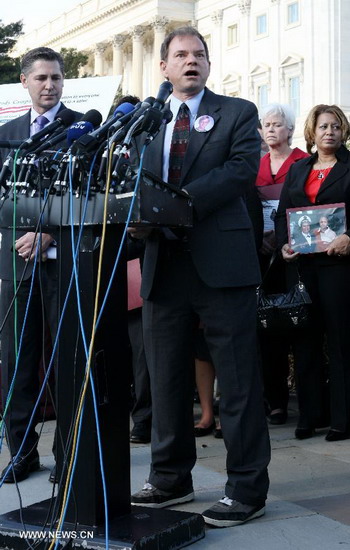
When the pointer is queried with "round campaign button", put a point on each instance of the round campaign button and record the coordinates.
(204, 123)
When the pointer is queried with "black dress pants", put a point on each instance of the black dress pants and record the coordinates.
(41, 311)
(229, 315)
(274, 348)
(328, 285)
(142, 408)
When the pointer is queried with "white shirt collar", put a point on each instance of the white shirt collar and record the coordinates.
(174, 104)
(50, 114)
(192, 103)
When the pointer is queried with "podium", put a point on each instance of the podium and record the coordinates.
(129, 526)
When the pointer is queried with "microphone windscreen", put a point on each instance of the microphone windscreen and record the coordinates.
(66, 116)
(167, 116)
(78, 129)
(94, 117)
(124, 108)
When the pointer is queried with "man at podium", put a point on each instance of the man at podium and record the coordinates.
(208, 273)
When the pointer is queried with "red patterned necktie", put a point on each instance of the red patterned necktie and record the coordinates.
(179, 142)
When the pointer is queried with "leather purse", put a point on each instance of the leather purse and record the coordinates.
(283, 311)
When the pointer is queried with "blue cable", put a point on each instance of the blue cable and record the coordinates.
(9, 394)
(2, 435)
(48, 371)
(74, 274)
(123, 236)
(86, 349)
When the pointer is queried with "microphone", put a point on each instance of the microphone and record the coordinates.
(90, 120)
(154, 127)
(60, 182)
(89, 142)
(137, 116)
(22, 171)
(27, 176)
(63, 119)
(6, 169)
(12, 144)
(165, 89)
(76, 130)
(167, 116)
(121, 128)
(154, 117)
(123, 111)
(119, 123)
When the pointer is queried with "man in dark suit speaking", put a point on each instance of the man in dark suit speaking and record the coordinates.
(209, 273)
(42, 73)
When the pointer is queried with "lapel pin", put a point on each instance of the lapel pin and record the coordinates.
(204, 123)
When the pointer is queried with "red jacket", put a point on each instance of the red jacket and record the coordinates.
(269, 187)
(264, 176)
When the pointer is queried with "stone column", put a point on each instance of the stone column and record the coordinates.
(118, 41)
(244, 6)
(99, 51)
(216, 50)
(245, 33)
(137, 61)
(159, 24)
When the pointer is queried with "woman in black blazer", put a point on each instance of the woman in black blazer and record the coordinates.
(322, 179)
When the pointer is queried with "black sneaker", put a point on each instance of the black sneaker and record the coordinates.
(156, 498)
(228, 512)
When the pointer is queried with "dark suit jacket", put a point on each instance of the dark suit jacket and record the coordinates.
(335, 188)
(218, 169)
(301, 244)
(17, 129)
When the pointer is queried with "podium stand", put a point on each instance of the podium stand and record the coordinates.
(111, 374)
(129, 527)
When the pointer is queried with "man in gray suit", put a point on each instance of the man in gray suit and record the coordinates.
(42, 74)
(208, 273)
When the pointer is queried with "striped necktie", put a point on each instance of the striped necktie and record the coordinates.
(179, 142)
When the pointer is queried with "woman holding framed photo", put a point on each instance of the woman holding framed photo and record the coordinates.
(322, 179)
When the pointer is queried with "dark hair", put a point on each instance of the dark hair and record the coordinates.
(40, 53)
(181, 31)
(311, 121)
(133, 99)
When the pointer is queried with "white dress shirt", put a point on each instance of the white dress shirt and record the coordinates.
(50, 115)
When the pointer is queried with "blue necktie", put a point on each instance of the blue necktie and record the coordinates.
(40, 122)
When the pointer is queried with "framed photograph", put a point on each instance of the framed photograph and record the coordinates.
(312, 228)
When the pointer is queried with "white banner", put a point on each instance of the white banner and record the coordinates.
(80, 94)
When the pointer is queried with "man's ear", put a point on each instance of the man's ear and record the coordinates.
(23, 80)
(163, 68)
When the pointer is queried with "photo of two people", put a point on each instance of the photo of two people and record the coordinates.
(312, 229)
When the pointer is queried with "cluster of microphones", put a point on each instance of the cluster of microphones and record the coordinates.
(38, 162)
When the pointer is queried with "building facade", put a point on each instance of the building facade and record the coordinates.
(287, 51)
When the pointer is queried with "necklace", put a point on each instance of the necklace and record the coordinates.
(321, 171)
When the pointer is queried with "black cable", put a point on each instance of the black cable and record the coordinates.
(51, 508)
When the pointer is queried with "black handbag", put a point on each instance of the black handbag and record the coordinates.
(283, 311)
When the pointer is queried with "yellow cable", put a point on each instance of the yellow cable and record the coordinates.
(88, 369)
